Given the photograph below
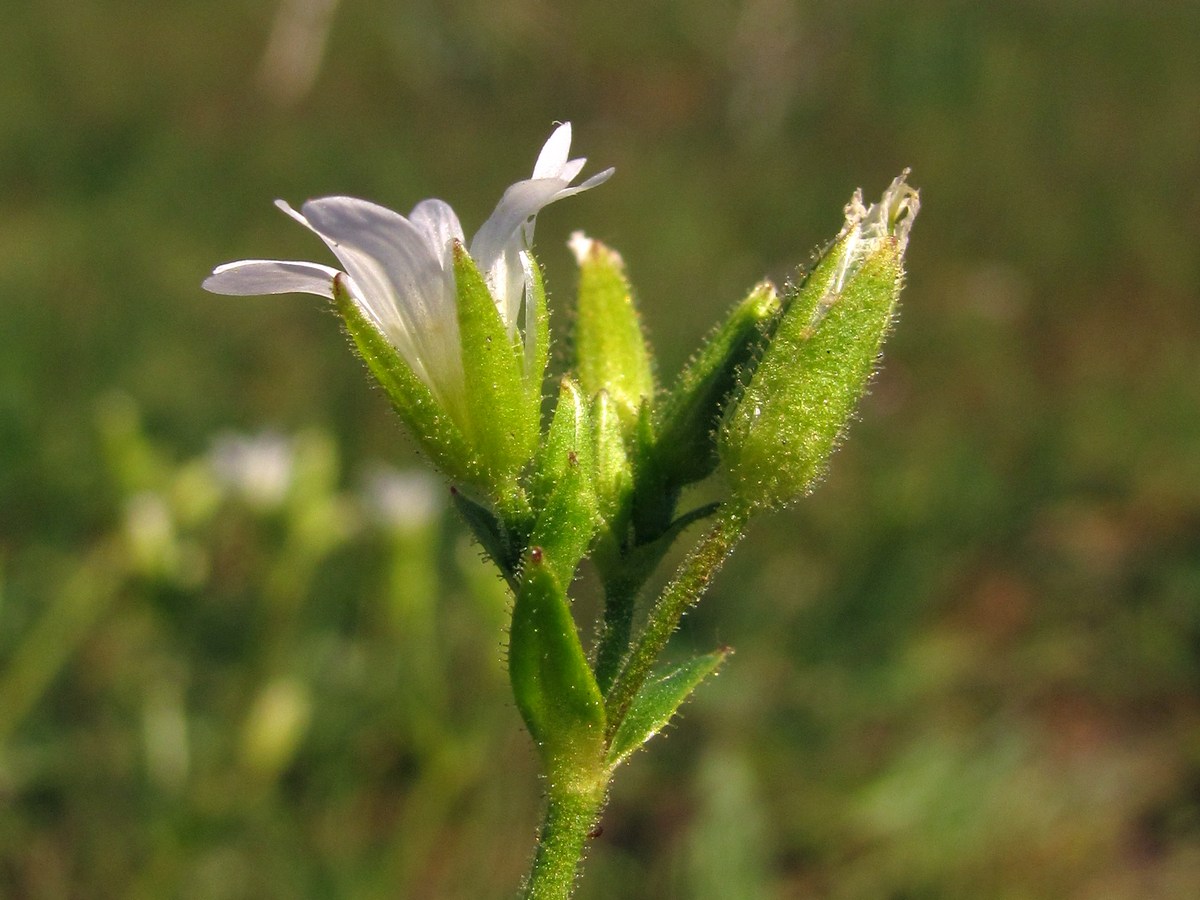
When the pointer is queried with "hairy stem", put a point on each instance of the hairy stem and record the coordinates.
(619, 599)
(570, 817)
(689, 583)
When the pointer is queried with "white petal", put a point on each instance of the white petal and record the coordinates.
(401, 283)
(387, 256)
(598, 179)
(438, 222)
(289, 210)
(571, 169)
(530, 315)
(508, 277)
(252, 277)
(520, 202)
(554, 153)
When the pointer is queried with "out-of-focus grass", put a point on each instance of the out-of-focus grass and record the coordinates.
(966, 666)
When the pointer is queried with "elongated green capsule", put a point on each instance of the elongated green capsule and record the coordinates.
(777, 437)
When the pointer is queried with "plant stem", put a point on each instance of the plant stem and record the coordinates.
(619, 597)
(689, 583)
(570, 817)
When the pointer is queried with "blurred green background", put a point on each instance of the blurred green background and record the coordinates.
(246, 652)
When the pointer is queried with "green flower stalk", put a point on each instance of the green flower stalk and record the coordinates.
(457, 334)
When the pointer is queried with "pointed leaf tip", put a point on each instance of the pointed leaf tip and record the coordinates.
(658, 701)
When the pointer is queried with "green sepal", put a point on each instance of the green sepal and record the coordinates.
(775, 441)
(568, 518)
(685, 442)
(551, 680)
(655, 494)
(503, 427)
(491, 534)
(569, 430)
(657, 702)
(537, 349)
(428, 422)
(610, 350)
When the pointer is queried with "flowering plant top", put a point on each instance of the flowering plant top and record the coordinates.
(457, 335)
(400, 270)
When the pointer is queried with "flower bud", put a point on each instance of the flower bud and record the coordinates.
(775, 440)
(609, 347)
(568, 517)
(613, 481)
(685, 444)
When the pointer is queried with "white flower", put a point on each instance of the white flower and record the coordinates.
(259, 467)
(403, 500)
(400, 270)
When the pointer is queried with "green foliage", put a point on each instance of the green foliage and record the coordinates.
(552, 681)
(657, 702)
(950, 657)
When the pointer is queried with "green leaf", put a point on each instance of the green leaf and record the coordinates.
(432, 427)
(551, 680)
(657, 701)
(502, 427)
(491, 534)
(609, 348)
(568, 517)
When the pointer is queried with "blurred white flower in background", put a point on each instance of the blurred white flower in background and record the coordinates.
(258, 468)
(402, 500)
